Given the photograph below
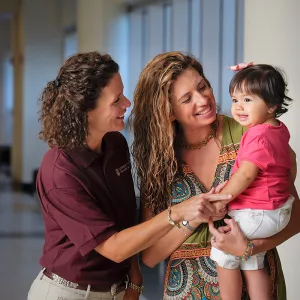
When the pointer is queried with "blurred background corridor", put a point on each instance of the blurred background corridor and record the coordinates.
(36, 36)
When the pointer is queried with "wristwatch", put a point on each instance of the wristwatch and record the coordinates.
(188, 226)
(138, 288)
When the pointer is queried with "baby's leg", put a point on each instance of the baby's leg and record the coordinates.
(229, 274)
(230, 283)
(258, 284)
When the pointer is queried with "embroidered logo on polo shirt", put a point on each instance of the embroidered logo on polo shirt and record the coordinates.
(123, 169)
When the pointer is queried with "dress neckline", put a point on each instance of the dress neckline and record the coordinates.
(188, 170)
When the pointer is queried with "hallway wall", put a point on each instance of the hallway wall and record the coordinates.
(38, 39)
(272, 36)
(104, 26)
(42, 59)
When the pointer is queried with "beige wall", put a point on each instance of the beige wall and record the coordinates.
(11, 6)
(272, 36)
(17, 50)
(103, 26)
(42, 59)
(37, 42)
(38, 32)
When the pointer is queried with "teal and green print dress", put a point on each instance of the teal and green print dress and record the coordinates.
(190, 273)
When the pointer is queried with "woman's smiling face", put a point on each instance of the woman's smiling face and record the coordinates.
(192, 100)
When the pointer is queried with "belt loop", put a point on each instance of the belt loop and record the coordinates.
(42, 275)
(87, 292)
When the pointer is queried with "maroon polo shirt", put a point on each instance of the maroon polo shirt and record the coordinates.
(86, 197)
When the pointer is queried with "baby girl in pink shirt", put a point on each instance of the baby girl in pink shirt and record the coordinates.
(264, 167)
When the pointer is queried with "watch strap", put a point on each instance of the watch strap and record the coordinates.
(138, 288)
(188, 226)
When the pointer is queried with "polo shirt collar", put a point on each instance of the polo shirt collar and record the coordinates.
(84, 156)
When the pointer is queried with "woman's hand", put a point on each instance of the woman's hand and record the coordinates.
(135, 276)
(131, 294)
(218, 214)
(218, 188)
(197, 207)
(220, 206)
(229, 238)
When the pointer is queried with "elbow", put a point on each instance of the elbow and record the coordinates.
(147, 260)
(249, 177)
(115, 256)
(118, 258)
(149, 264)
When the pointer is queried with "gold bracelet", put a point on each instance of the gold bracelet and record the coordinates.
(138, 288)
(170, 220)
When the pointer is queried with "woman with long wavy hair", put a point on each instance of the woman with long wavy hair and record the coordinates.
(182, 147)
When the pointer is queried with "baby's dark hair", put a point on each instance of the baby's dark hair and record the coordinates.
(265, 81)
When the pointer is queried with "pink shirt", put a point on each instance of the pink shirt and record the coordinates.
(267, 147)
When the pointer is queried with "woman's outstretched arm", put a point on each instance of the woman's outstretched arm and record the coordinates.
(128, 242)
(164, 247)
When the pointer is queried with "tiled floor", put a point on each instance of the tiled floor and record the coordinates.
(21, 240)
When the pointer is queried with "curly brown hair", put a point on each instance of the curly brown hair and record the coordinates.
(66, 100)
(154, 132)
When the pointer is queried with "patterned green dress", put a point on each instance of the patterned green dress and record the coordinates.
(190, 273)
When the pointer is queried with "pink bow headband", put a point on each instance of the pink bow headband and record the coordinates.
(240, 66)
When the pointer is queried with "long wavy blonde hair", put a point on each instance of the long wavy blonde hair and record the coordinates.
(154, 132)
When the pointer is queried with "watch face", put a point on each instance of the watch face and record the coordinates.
(184, 223)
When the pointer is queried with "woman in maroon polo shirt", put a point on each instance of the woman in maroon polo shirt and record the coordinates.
(86, 191)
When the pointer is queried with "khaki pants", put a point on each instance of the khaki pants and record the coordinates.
(43, 288)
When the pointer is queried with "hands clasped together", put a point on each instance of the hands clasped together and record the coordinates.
(209, 207)
(202, 207)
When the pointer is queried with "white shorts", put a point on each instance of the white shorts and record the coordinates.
(255, 224)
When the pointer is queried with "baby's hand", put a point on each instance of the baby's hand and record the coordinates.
(219, 205)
